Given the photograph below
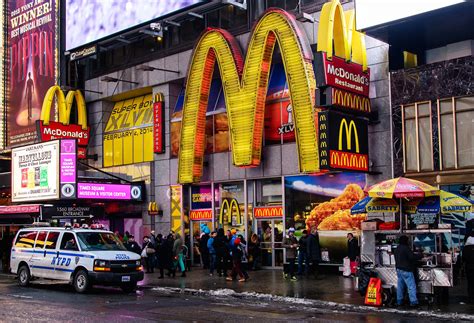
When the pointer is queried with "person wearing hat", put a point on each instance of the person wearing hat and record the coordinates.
(290, 243)
(237, 254)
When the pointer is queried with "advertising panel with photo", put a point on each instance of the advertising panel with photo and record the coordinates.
(32, 59)
(90, 20)
(35, 172)
(324, 202)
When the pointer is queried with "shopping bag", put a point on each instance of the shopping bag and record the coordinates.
(353, 267)
(346, 267)
(374, 292)
(325, 256)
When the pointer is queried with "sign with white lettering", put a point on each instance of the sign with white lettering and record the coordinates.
(108, 191)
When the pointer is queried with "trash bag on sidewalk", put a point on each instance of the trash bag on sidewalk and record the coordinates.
(347, 267)
(364, 276)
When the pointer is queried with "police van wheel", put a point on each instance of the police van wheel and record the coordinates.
(128, 288)
(24, 276)
(81, 281)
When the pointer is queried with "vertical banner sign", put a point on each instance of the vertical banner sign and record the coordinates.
(32, 59)
(68, 168)
(158, 124)
(176, 208)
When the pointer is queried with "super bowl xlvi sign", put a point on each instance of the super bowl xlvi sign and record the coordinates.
(51, 130)
(343, 142)
(245, 83)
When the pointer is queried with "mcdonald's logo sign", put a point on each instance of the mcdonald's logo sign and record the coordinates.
(153, 208)
(346, 146)
(245, 83)
(268, 212)
(200, 215)
(346, 101)
(230, 210)
(51, 130)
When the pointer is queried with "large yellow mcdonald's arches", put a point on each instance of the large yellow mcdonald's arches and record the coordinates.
(245, 85)
(64, 106)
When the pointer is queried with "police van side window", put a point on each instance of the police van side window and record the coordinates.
(41, 239)
(69, 242)
(52, 240)
(26, 239)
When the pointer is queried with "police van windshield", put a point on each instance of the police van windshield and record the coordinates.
(99, 241)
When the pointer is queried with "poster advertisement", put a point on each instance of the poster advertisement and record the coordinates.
(201, 197)
(32, 58)
(324, 201)
(35, 172)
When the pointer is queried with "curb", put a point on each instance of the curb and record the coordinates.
(310, 304)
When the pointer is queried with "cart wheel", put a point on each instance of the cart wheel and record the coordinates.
(387, 297)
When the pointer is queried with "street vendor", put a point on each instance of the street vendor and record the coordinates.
(405, 262)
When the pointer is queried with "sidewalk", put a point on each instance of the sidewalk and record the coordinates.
(329, 288)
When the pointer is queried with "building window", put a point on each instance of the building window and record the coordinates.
(417, 135)
(456, 123)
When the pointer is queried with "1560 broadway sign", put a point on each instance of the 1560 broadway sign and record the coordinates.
(50, 130)
(343, 142)
(245, 84)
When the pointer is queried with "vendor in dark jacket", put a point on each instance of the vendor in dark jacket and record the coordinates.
(352, 247)
(132, 245)
(313, 251)
(405, 262)
(468, 260)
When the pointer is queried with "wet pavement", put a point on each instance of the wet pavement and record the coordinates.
(46, 302)
(330, 287)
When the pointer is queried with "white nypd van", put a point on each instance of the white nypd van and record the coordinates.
(83, 257)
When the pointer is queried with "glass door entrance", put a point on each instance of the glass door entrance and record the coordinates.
(271, 233)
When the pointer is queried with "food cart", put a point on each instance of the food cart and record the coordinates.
(435, 271)
(420, 220)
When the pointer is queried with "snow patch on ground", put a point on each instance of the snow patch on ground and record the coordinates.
(311, 304)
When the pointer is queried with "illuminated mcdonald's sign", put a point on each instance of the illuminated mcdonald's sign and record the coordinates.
(268, 212)
(153, 208)
(201, 215)
(51, 130)
(229, 211)
(347, 101)
(344, 143)
(245, 83)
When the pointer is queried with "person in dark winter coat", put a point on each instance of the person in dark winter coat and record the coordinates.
(405, 261)
(147, 256)
(254, 251)
(166, 256)
(302, 254)
(314, 251)
(222, 252)
(290, 243)
(237, 254)
(468, 260)
(203, 249)
(132, 245)
(352, 247)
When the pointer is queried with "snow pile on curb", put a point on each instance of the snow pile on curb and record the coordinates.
(309, 303)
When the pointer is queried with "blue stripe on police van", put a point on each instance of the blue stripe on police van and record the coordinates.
(52, 268)
(55, 252)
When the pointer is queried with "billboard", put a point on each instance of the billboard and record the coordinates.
(392, 10)
(35, 172)
(90, 20)
(32, 59)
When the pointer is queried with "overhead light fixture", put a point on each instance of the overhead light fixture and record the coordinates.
(152, 33)
(196, 15)
(242, 4)
(114, 79)
(149, 68)
(123, 40)
(173, 23)
(304, 17)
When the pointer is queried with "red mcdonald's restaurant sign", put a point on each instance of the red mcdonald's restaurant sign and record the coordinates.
(268, 212)
(200, 215)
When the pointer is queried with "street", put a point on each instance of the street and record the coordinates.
(47, 301)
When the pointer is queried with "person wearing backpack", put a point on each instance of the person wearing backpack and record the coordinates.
(220, 245)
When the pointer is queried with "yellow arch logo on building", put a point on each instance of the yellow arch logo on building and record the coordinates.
(245, 85)
(64, 106)
(229, 210)
(348, 129)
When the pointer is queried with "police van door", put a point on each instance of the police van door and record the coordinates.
(67, 252)
(41, 262)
